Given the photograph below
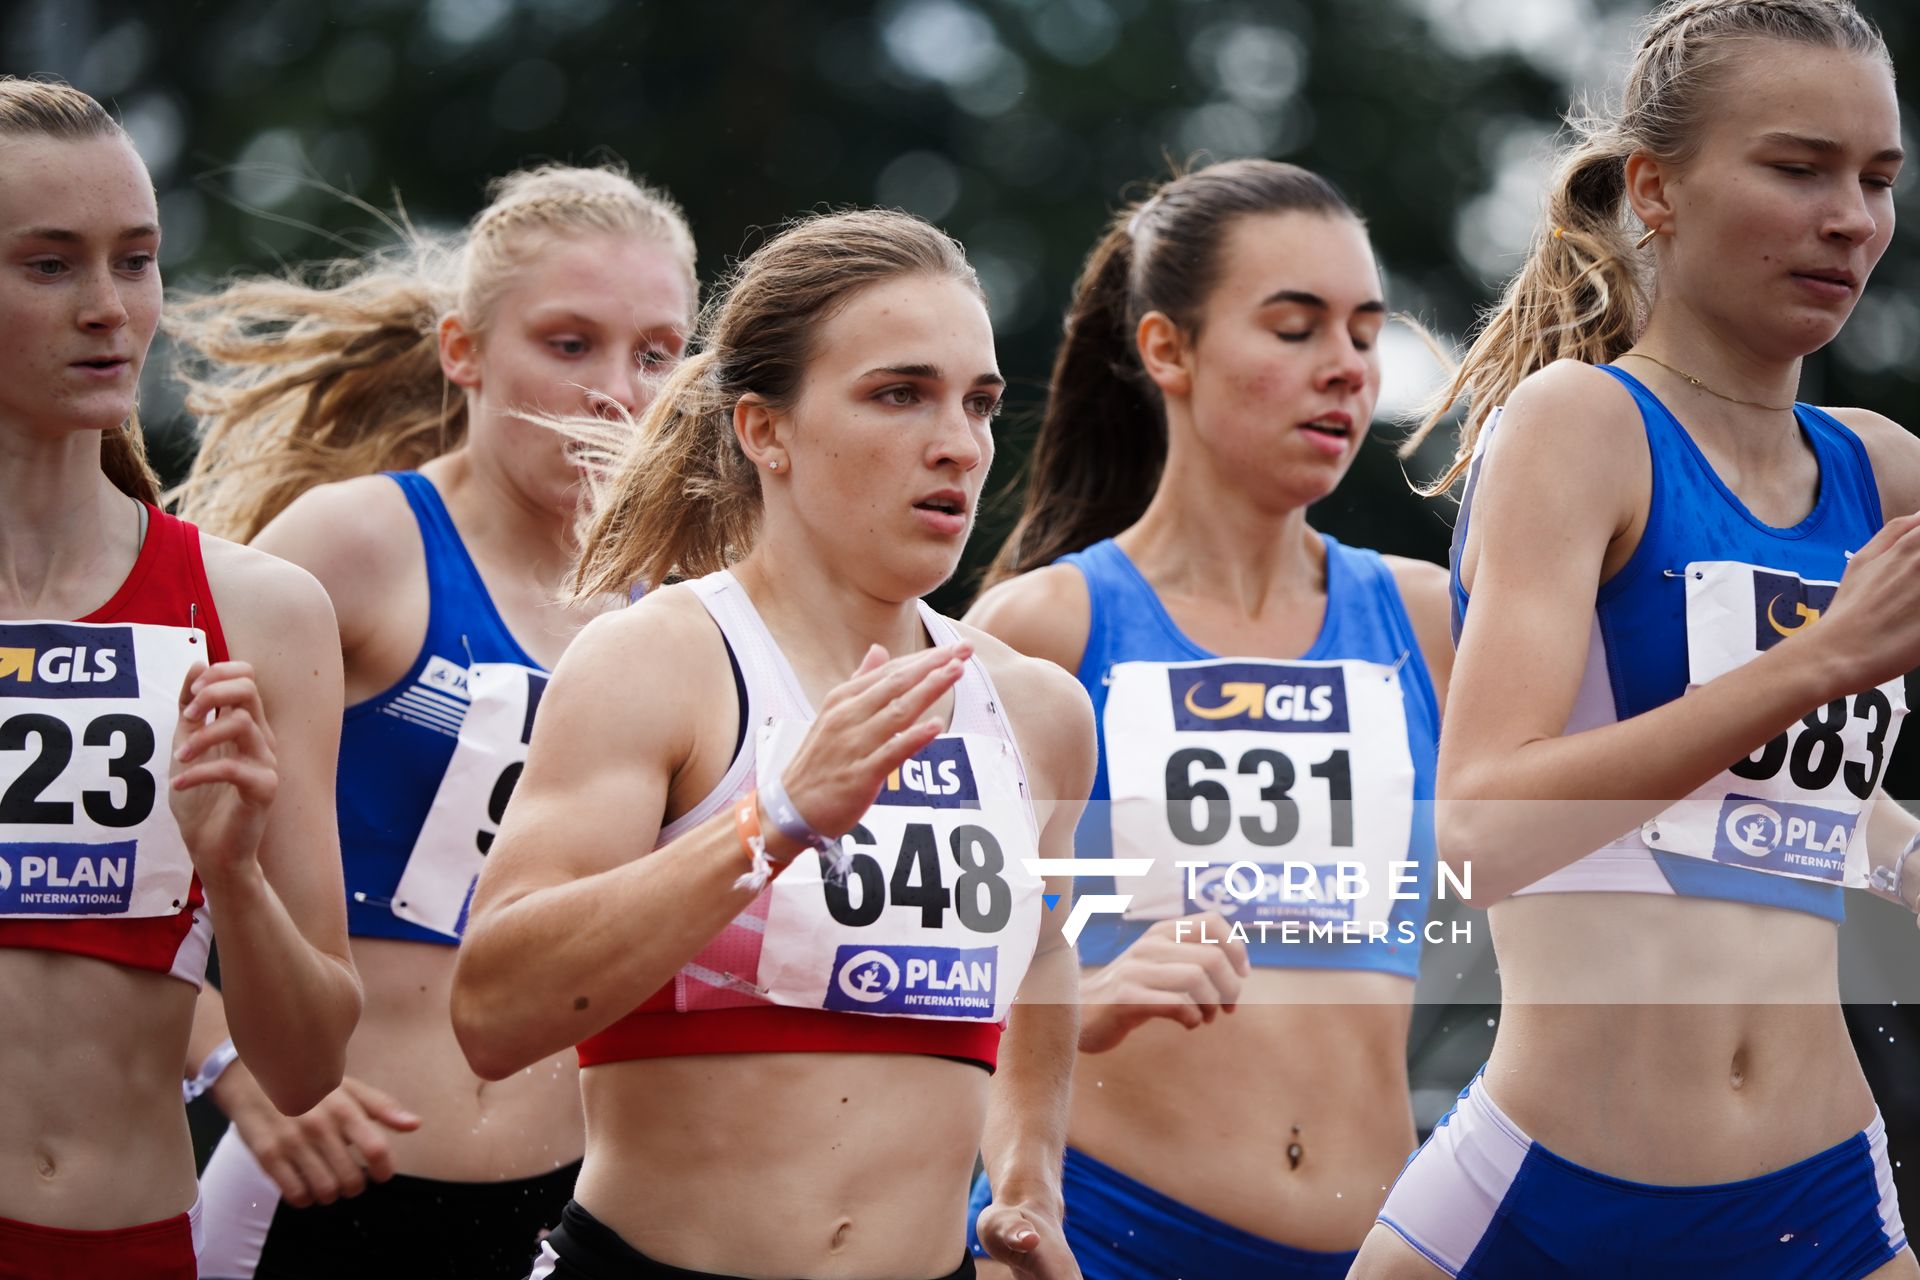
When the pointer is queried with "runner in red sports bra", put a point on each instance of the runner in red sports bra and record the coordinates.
(167, 729)
(809, 1065)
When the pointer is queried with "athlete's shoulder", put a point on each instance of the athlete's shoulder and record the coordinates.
(1894, 452)
(268, 605)
(1050, 712)
(1043, 613)
(1569, 434)
(1426, 594)
(668, 629)
(1574, 403)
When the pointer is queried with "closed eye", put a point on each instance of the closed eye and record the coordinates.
(568, 346)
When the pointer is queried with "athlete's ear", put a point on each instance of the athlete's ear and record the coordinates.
(459, 353)
(1649, 191)
(1165, 353)
(761, 432)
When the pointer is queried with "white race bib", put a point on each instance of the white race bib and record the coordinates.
(87, 712)
(487, 760)
(1798, 806)
(937, 917)
(1300, 769)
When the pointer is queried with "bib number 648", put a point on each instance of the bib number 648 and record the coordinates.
(981, 896)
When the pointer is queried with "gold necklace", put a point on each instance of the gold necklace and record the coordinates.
(1681, 373)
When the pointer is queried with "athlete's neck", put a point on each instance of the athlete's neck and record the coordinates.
(1692, 345)
(499, 524)
(68, 538)
(824, 621)
(1210, 541)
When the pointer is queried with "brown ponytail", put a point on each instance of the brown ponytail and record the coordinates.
(1103, 441)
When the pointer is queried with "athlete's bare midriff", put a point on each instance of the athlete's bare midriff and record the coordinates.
(835, 1166)
(471, 1130)
(1676, 1041)
(1207, 1116)
(92, 1133)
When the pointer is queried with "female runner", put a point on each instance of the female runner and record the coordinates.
(793, 1080)
(1672, 1091)
(1220, 371)
(572, 291)
(166, 745)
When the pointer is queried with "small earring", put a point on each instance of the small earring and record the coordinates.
(1647, 239)
(773, 464)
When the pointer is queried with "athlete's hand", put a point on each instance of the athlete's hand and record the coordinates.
(1873, 624)
(1190, 981)
(1028, 1240)
(326, 1154)
(867, 728)
(222, 775)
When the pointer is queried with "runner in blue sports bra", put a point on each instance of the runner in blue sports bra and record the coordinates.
(1686, 604)
(570, 294)
(1238, 1109)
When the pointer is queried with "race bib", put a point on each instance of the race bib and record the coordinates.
(437, 884)
(936, 917)
(1798, 806)
(87, 712)
(1292, 783)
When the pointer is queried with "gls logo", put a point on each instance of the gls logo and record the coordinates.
(1258, 696)
(939, 777)
(1783, 605)
(58, 660)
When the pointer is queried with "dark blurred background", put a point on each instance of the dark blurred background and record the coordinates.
(1016, 124)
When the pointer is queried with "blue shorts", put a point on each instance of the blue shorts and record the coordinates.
(1120, 1229)
(1483, 1201)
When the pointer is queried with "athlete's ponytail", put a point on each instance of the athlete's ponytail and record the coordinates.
(49, 109)
(1103, 441)
(1583, 292)
(302, 381)
(677, 495)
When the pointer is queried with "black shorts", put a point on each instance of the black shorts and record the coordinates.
(584, 1248)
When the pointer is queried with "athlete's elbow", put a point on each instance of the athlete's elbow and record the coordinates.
(481, 1024)
(1467, 844)
(296, 1083)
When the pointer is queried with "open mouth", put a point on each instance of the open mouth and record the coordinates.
(1330, 429)
(945, 506)
(103, 363)
(1838, 279)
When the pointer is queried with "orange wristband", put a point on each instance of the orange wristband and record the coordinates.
(761, 868)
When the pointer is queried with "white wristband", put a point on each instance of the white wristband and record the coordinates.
(212, 1069)
(1889, 880)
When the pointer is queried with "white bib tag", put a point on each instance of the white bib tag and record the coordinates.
(937, 917)
(87, 712)
(1796, 807)
(452, 846)
(1292, 781)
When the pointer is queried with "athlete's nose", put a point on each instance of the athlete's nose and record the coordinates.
(101, 308)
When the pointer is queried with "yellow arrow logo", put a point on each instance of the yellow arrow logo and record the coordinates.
(1807, 615)
(1243, 697)
(16, 662)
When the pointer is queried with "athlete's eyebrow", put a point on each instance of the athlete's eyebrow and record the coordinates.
(62, 235)
(931, 372)
(1826, 146)
(1302, 298)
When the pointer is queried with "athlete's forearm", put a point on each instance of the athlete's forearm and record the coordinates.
(603, 943)
(1516, 815)
(289, 1005)
(1026, 1132)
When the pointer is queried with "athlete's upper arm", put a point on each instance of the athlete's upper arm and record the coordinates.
(1043, 614)
(615, 726)
(278, 619)
(1559, 482)
(1426, 592)
(1895, 454)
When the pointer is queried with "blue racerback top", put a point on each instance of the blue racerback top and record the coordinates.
(1637, 658)
(395, 746)
(1365, 620)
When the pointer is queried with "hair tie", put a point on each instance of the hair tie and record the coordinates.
(1559, 233)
